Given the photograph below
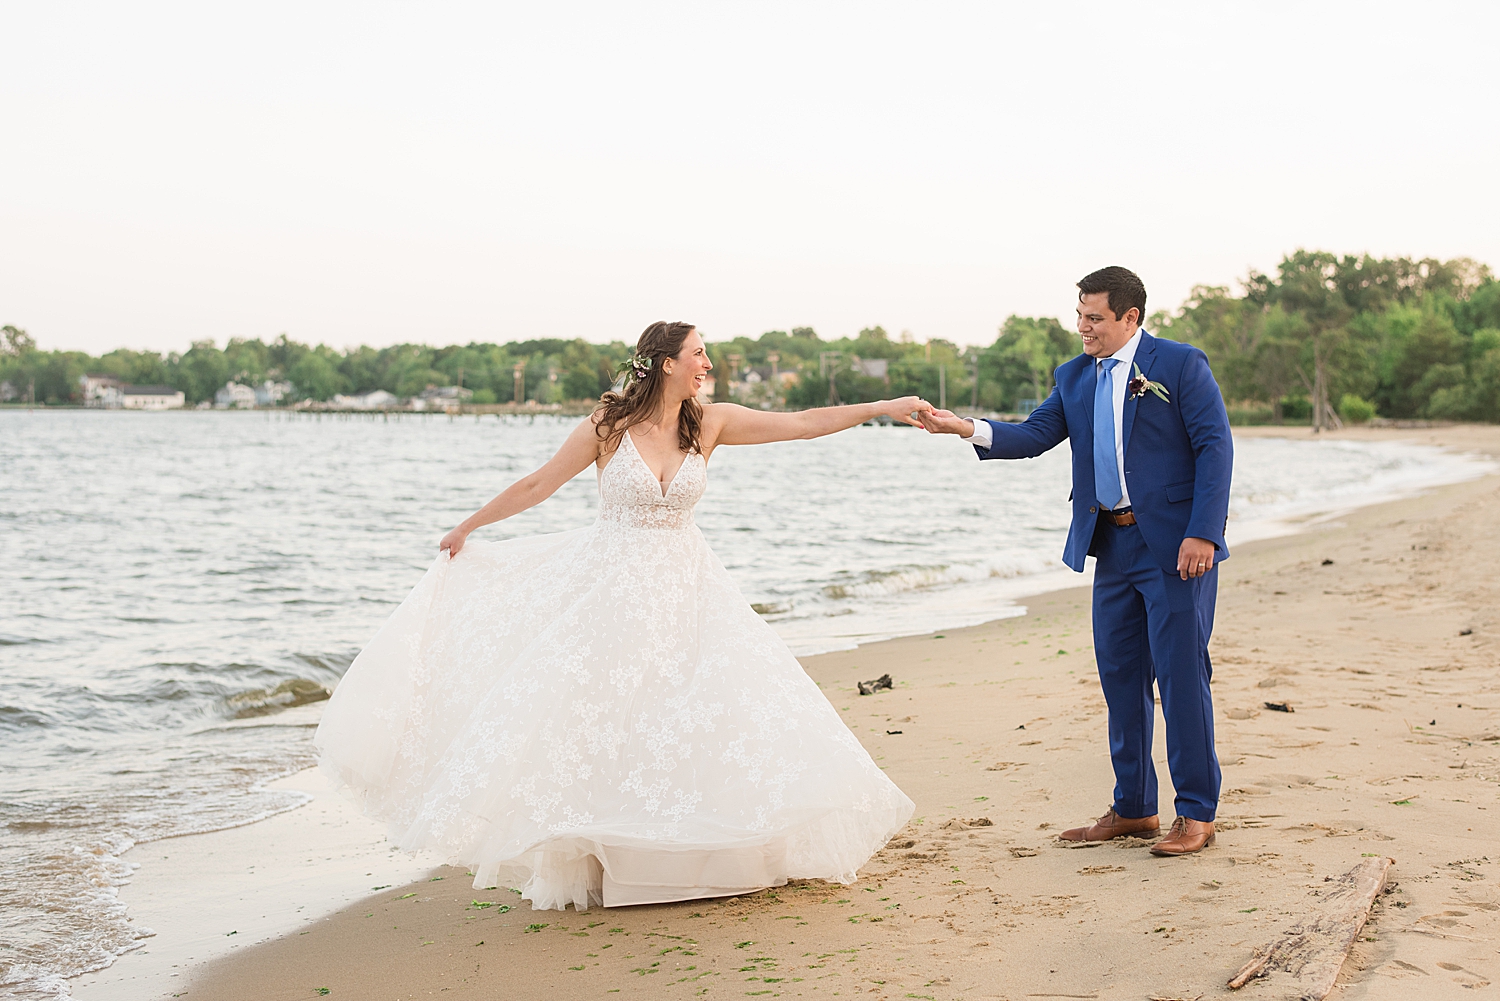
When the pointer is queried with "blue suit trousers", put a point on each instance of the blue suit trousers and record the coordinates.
(1152, 626)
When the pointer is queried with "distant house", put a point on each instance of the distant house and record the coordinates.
(457, 393)
(101, 391)
(269, 393)
(441, 398)
(8, 392)
(151, 397)
(875, 368)
(236, 396)
(377, 400)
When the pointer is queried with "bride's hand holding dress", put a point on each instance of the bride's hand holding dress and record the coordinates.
(578, 452)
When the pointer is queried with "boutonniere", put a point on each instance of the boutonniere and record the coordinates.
(1140, 386)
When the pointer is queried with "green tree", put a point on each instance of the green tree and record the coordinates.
(201, 371)
(1021, 362)
(146, 368)
(15, 342)
(315, 375)
(1307, 287)
(247, 362)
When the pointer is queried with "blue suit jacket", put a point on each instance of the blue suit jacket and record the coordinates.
(1178, 452)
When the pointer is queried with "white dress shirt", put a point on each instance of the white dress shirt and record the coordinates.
(984, 437)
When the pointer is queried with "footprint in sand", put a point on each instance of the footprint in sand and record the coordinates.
(1467, 978)
(1400, 970)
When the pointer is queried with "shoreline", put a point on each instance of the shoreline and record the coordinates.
(1006, 597)
(218, 968)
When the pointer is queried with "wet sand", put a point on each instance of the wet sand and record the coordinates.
(1379, 629)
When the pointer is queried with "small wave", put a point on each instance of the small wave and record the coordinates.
(263, 702)
(902, 580)
(83, 880)
(7, 639)
(157, 693)
(30, 826)
(16, 718)
(332, 662)
(878, 583)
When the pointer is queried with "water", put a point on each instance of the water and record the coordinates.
(161, 569)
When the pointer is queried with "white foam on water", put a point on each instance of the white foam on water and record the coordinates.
(1285, 485)
(209, 895)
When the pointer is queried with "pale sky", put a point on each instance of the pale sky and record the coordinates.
(377, 172)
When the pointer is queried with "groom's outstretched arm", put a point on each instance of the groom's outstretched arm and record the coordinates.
(1044, 429)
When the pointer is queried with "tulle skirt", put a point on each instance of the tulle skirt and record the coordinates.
(598, 716)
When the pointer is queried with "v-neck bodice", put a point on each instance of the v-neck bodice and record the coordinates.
(630, 494)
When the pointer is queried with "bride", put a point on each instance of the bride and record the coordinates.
(598, 716)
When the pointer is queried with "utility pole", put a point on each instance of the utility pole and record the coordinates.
(734, 359)
(975, 403)
(942, 387)
(828, 365)
(520, 373)
(773, 357)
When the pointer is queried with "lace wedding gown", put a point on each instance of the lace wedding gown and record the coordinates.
(598, 716)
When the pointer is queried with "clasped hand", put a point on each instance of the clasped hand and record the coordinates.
(945, 422)
(911, 410)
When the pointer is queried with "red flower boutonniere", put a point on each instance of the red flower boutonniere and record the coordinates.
(1140, 386)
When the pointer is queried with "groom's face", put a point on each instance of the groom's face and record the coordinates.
(1103, 334)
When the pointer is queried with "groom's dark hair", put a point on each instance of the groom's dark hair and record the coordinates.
(1124, 286)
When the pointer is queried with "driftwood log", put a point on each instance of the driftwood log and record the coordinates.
(1313, 950)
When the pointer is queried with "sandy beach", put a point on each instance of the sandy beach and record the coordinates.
(1377, 628)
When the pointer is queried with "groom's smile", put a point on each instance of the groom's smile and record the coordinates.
(1101, 332)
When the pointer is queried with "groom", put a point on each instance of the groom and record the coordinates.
(1151, 464)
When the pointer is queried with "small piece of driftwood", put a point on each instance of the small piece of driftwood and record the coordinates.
(1280, 707)
(871, 687)
(1313, 950)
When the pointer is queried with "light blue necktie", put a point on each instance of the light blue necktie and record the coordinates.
(1107, 488)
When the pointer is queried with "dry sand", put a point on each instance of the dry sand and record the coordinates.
(1387, 654)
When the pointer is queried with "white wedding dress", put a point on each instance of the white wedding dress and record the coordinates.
(598, 716)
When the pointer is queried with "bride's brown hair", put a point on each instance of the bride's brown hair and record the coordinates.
(644, 388)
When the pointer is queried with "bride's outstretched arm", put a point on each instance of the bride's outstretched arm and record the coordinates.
(736, 425)
(576, 454)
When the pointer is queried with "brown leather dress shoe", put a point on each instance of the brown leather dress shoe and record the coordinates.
(1186, 836)
(1112, 825)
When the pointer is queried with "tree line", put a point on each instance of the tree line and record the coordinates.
(1349, 337)
(1321, 340)
(552, 369)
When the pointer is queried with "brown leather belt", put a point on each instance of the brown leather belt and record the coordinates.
(1119, 520)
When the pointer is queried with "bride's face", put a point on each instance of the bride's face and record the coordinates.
(686, 372)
